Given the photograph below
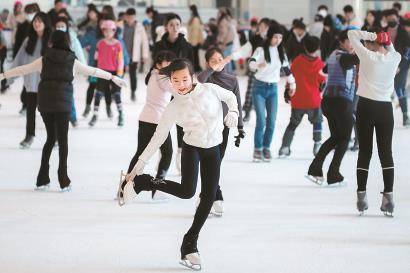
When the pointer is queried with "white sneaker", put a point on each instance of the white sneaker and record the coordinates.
(178, 160)
(218, 208)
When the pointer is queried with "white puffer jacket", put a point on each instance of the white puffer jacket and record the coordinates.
(199, 113)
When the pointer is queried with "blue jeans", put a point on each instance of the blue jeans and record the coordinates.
(73, 113)
(400, 86)
(265, 98)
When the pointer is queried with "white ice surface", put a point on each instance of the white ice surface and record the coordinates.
(274, 221)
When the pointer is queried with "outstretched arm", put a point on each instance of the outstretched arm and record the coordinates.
(80, 68)
(22, 70)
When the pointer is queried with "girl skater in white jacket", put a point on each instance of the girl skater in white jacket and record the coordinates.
(197, 109)
(378, 66)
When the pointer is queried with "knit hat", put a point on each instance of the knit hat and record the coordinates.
(108, 24)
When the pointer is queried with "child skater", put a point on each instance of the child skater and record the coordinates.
(198, 110)
(109, 56)
(307, 70)
(57, 68)
(216, 74)
(158, 97)
(378, 66)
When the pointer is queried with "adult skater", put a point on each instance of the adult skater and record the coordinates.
(337, 106)
(198, 110)
(378, 66)
(55, 97)
(216, 74)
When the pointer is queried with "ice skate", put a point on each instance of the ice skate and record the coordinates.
(189, 253)
(42, 187)
(316, 147)
(66, 189)
(125, 191)
(86, 111)
(284, 152)
(257, 156)
(109, 112)
(27, 141)
(218, 208)
(387, 206)
(406, 121)
(267, 156)
(93, 120)
(335, 179)
(120, 120)
(315, 179)
(362, 204)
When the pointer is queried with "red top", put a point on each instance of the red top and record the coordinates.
(110, 57)
(306, 70)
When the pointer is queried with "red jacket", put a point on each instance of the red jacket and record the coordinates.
(306, 70)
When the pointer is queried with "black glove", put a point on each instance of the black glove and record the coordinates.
(286, 93)
(241, 134)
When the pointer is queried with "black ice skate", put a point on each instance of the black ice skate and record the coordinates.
(27, 141)
(284, 151)
(361, 203)
(315, 176)
(189, 253)
(93, 120)
(86, 110)
(387, 206)
(120, 120)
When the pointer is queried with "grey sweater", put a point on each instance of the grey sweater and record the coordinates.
(226, 81)
(32, 80)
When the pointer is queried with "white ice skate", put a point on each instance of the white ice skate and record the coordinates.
(192, 261)
(66, 189)
(315, 179)
(42, 188)
(125, 192)
(218, 208)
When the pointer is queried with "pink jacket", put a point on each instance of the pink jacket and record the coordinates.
(158, 97)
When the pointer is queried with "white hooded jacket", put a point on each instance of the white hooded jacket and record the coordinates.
(199, 113)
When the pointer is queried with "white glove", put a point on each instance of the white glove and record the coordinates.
(231, 119)
(118, 81)
(137, 170)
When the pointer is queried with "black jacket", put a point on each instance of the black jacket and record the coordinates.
(55, 90)
(181, 48)
(294, 47)
(402, 44)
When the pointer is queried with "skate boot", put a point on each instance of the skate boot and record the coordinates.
(109, 112)
(93, 120)
(42, 187)
(387, 204)
(43, 179)
(120, 120)
(335, 179)
(218, 208)
(406, 120)
(267, 156)
(64, 180)
(362, 204)
(284, 151)
(178, 160)
(189, 253)
(316, 147)
(27, 141)
(247, 116)
(315, 175)
(257, 156)
(86, 110)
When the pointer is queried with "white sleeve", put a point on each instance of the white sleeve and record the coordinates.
(226, 96)
(256, 58)
(22, 70)
(83, 69)
(161, 133)
(355, 36)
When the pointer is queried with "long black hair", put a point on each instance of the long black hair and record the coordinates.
(274, 29)
(176, 65)
(161, 56)
(32, 34)
(60, 40)
(91, 7)
(376, 22)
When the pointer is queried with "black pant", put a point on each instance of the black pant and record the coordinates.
(375, 115)
(90, 92)
(31, 100)
(145, 132)
(57, 127)
(339, 114)
(210, 160)
(108, 89)
(132, 69)
(195, 50)
(180, 136)
(23, 98)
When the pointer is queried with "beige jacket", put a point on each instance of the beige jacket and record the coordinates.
(226, 32)
(141, 45)
(195, 32)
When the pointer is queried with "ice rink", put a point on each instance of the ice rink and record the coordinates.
(275, 220)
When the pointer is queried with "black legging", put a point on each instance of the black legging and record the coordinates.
(375, 115)
(57, 127)
(339, 114)
(210, 169)
(145, 132)
(132, 69)
(31, 107)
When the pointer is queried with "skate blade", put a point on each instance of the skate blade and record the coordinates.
(42, 188)
(66, 189)
(257, 160)
(283, 156)
(188, 264)
(120, 198)
(216, 214)
(388, 214)
(337, 184)
(315, 179)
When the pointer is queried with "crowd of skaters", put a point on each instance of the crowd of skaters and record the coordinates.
(346, 69)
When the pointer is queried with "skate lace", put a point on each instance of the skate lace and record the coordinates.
(157, 181)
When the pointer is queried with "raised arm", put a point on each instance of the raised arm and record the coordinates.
(22, 70)
(355, 36)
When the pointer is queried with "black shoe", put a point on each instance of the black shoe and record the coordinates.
(133, 97)
(333, 178)
(267, 156)
(87, 110)
(109, 112)
(406, 120)
(93, 120)
(120, 120)
(27, 141)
